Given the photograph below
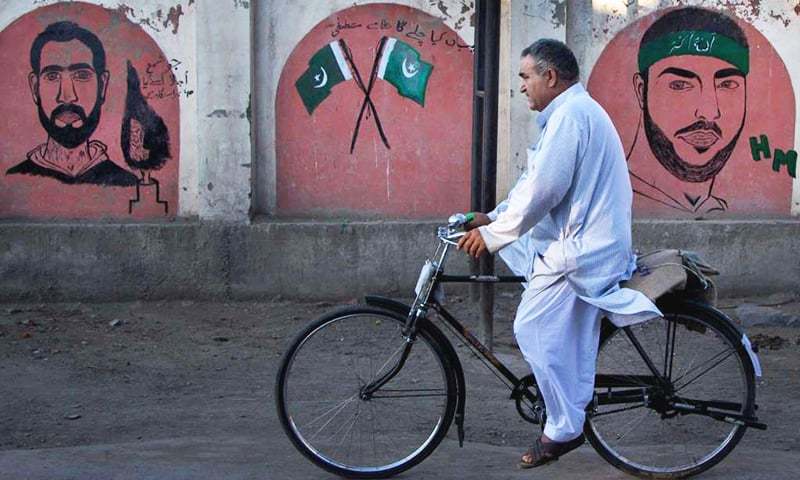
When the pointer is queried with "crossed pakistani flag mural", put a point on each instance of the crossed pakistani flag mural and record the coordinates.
(395, 62)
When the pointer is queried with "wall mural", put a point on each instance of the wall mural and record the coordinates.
(395, 61)
(374, 117)
(83, 141)
(698, 106)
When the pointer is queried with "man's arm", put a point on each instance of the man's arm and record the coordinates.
(472, 242)
(549, 179)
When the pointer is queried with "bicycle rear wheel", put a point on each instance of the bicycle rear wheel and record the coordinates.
(651, 434)
(321, 401)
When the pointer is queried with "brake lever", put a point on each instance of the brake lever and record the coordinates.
(451, 238)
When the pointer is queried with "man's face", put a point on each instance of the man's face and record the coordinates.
(694, 110)
(534, 85)
(67, 87)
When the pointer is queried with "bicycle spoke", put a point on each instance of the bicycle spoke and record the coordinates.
(344, 405)
(633, 424)
(335, 432)
(704, 372)
(394, 354)
(712, 358)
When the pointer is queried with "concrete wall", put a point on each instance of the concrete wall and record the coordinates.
(221, 66)
(311, 261)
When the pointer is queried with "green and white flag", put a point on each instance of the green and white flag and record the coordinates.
(326, 69)
(401, 66)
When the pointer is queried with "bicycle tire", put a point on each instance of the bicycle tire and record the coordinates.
(649, 452)
(314, 367)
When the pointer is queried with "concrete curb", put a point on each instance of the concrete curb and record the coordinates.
(312, 260)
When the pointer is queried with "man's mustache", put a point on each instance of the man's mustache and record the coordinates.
(68, 108)
(700, 125)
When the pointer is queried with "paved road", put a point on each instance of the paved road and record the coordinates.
(184, 391)
(234, 458)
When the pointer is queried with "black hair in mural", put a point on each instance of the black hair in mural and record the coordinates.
(144, 138)
(66, 32)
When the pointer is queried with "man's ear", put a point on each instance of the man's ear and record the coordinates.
(552, 79)
(33, 84)
(104, 87)
(638, 87)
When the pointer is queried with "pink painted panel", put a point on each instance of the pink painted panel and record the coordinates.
(422, 168)
(91, 121)
(708, 125)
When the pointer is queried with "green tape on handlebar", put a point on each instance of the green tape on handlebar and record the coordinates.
(470, 217)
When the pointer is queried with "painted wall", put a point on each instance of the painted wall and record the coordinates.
(707, 127)
(96, 131)
(383, 132)
(305, 167)
(220, 113)
(180, 55)
(727, 151)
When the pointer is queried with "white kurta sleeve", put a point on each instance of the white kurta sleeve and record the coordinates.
(503, 206)
(548, 180)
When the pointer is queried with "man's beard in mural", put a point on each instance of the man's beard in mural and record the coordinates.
(665, 153)
(69, 136)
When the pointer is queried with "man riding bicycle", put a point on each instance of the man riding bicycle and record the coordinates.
(566, 228)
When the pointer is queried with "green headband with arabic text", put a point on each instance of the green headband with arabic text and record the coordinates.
(695, 42)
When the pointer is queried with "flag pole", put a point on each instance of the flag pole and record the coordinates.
(367, 91)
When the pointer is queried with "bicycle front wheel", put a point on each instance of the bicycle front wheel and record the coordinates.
(669, 430)
(321, 400)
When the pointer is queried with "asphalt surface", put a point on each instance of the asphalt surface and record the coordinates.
(184, 390)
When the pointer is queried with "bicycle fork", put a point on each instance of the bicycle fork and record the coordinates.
(368, 390)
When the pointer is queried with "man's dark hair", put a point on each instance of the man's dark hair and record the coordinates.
(65, 32)
(550, 53)
(693, 18)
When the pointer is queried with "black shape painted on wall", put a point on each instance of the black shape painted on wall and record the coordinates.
(144, 139)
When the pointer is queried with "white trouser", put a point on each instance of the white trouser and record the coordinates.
(558, 334)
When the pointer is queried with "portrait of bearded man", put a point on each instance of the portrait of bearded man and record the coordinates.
(691, 87)
(68, 78)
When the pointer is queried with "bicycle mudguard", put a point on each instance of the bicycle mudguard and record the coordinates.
(461, 390)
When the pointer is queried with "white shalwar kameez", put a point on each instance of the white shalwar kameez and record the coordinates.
(566, 227)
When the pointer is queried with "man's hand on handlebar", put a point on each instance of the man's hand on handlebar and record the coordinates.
(472, 242)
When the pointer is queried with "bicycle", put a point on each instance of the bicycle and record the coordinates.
(369, 391)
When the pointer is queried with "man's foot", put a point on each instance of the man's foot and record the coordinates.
(544, 451)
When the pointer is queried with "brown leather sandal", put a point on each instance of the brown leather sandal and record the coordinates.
(543, 453)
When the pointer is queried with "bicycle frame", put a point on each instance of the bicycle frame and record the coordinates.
(632, 390)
